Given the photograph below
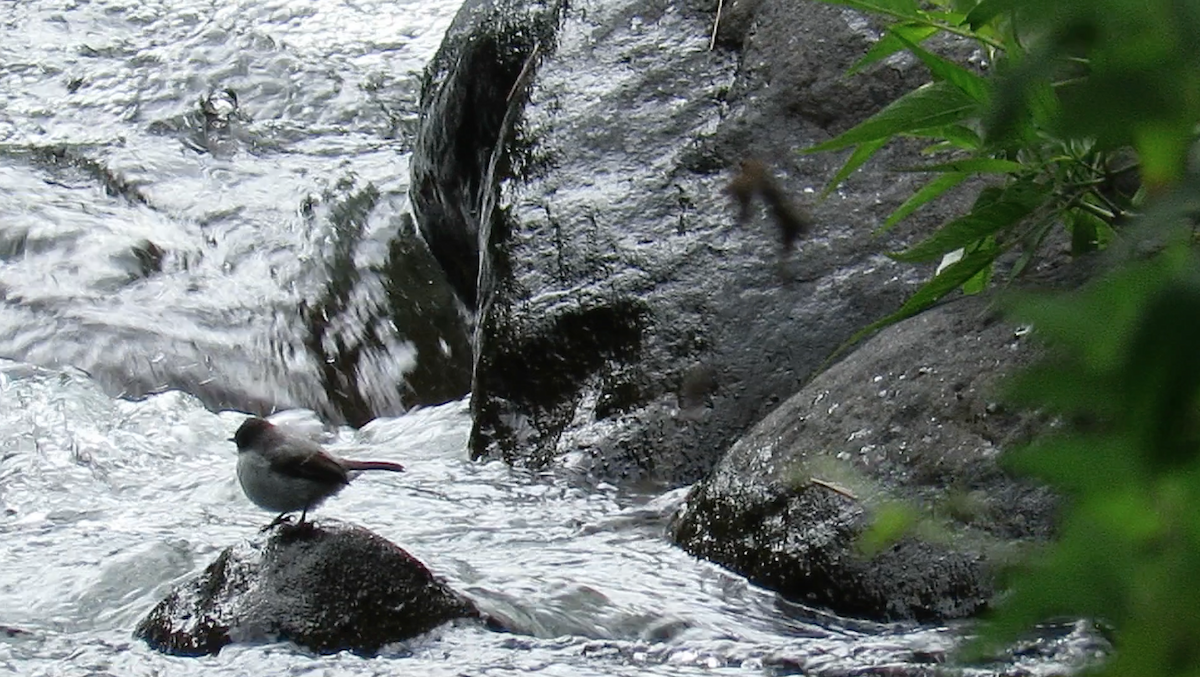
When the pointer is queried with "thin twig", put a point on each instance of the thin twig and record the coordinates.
(712, 42)
(834, 488)
(526, 69)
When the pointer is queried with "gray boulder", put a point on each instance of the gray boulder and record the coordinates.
(910, 416)
(326, 588)
(570, 175)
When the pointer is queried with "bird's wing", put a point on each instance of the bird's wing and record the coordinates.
(314, 465)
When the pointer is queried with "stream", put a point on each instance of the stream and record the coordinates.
(149, 249)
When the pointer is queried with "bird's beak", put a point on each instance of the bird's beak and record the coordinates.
(231, 439)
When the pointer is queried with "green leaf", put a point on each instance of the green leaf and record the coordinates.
(904, 9)
(1085, 228)
(944, 70)
(1064, 387)
(979, 281)
(1031, 243)
(1163, 151)
(958, 136)
(951, 277)
(987, 10)
(1070, 320)
(861, 154)
(1075, 464)
(889, 44)
(988, 216)
(891, 522)
(927, 192)
(982, 165)
(932, 105)
(1023, 104)
(948, 18)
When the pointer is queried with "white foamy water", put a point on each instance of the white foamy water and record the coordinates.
(105, 503)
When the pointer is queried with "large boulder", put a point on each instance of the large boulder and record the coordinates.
(912, 418)
(573, 160)
(326, 588)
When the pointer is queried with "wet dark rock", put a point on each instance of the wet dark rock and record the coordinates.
(145, 259)
(611, 259)
(909, 416)
(326, 588)
(69, 158)
(421, 301)
(734, 21)
(467, 91)
(352, 326)
(375, 328)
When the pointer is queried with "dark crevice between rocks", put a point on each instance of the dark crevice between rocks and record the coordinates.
(114, 184)
(143, 259)
(543, 370)
(733, 20)
(337, 366)
(467, 91)
(415, 299)
(422, 303)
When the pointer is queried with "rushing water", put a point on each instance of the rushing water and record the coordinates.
(106, 502)
(156, 248)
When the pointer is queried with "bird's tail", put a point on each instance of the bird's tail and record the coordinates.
(372, 465)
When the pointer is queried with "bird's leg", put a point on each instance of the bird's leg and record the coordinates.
(303, 513)
(282, 518)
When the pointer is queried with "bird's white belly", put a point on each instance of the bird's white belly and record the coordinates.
(277, 492)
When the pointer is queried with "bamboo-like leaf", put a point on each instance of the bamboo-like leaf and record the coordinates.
(948, 18)
(1023, 102)
(944, 69)
(930, 293)
(947, 281)
(861, 154)
(889, 44)
(932, 105)
(927, 193)
(980, 280)
(1032, 244)
(987, 10)
(905, 9)
(1085, 228)
(958, 136)
(979, 165)
(985, 218)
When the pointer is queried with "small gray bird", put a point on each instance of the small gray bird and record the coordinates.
(283, 473)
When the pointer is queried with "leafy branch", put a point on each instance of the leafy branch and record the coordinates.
(1003, 128)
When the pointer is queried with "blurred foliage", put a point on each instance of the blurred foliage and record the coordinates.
(1078, 97)
(1123, 380)
(889, 522)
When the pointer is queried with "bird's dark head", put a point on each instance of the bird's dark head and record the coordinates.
(252, 431)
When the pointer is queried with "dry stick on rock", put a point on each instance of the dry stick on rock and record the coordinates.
(834, 488)
(712, 42)
(526, 69)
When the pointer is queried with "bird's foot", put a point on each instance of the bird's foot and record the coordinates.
(282, 519)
